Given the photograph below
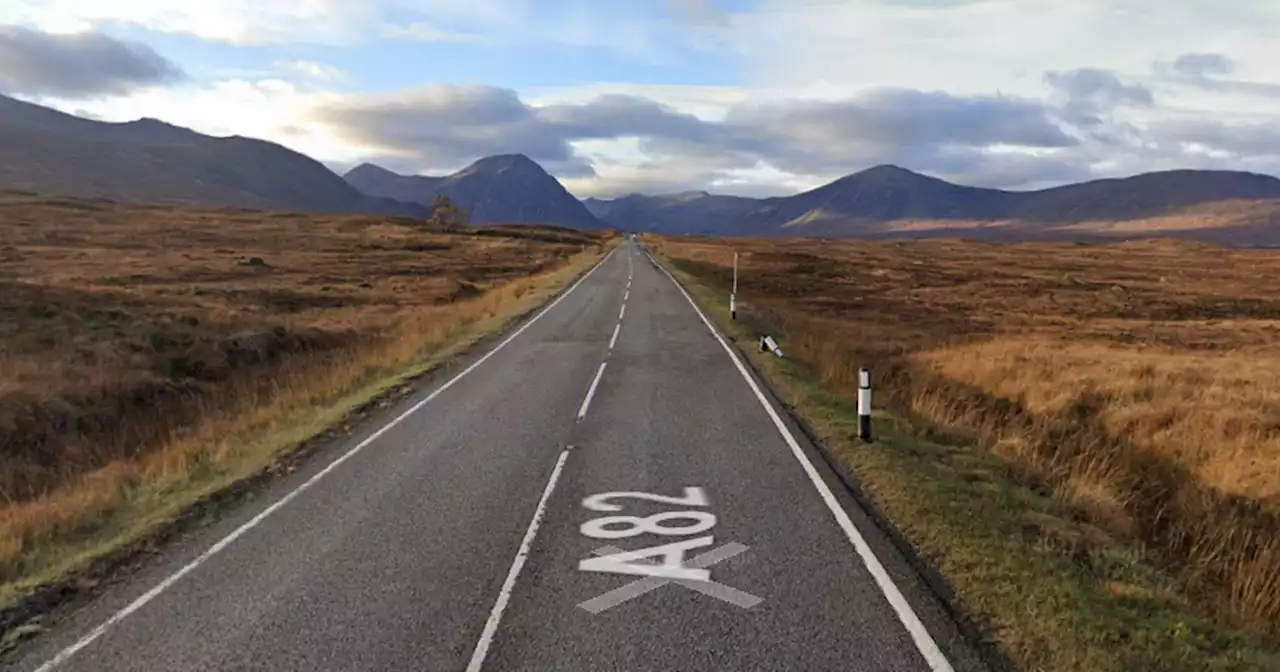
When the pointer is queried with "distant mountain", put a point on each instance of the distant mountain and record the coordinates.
(691, 212)
(149, 161)
(889, 200)
(508, 188)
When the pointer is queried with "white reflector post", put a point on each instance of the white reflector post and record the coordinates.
(864, 404)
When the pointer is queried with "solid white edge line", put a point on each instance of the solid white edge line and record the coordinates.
(63, 655)
(591, 392)
(617, 328)
(504, 595)
(919, 634)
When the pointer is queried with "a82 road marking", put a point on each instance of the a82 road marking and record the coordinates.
(672, 565)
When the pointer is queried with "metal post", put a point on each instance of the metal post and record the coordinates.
(864, 405)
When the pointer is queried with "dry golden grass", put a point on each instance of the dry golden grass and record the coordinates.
(1238, 221)
(1135, 381)
(144, 366)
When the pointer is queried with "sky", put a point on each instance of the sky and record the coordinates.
(748, 97)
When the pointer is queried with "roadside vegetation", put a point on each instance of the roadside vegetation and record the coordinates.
(1083, 439)
(150, 356)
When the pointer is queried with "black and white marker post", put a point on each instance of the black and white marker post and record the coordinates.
(864, 405)
(733, 295)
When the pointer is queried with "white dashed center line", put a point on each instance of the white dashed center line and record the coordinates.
(591, 392)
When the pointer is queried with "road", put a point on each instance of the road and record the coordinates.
(485, 524)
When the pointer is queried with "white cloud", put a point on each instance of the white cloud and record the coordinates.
(621, 25)
(426, 32)
(312, 70)
(233, 21)
(270, 108)
(980, 46)
(1180, 83)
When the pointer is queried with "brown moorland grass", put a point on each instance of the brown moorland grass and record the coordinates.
(144, 363)
(1134, 384)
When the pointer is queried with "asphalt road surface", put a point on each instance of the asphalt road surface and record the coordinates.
(607, 488)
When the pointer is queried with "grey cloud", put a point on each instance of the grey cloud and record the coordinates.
(1100, 88)
(1073, 136)
(448, 125)
(78, 65)
(896, 117)
(614, 115)
(1239, 139)
(1204, 65)
(1006, 170)
(1088, 98)
(1209, 72)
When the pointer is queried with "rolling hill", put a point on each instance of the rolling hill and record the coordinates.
(149, 161)
(890, 201)
(504, 188)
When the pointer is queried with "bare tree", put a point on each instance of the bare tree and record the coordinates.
(444, 212)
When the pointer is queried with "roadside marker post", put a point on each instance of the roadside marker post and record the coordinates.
(767, 344)
(864, 405)
(733, 295)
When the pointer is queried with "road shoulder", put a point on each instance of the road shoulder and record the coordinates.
(974, 527)
(922, 587)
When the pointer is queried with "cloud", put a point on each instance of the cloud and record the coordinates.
(240, 22)
(78, 65)
(439, 128)
(312, 70)
(1098, 88)
(633, 29)
(444, 126)
(1204, 65)
(425, 32)
(1233, 139)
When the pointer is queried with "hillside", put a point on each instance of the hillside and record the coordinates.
(1225, 206)
(149, 161)
(692, 212)
(502, 188)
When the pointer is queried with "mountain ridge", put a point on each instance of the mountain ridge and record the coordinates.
(869, 201)
(150, 161)
(494, 189)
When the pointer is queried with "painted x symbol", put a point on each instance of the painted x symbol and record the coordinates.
(639, 587)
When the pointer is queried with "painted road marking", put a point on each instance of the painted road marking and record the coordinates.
(627, 295)
(614, 340)
(591, 392)
(673, 566)
(622, 312)
(63, 655)
(707, 587)
(504, 595)
(919, 634)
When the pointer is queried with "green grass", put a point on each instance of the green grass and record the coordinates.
(1050, 592)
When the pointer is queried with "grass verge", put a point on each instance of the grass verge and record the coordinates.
(1049, 590)
(59, 546)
